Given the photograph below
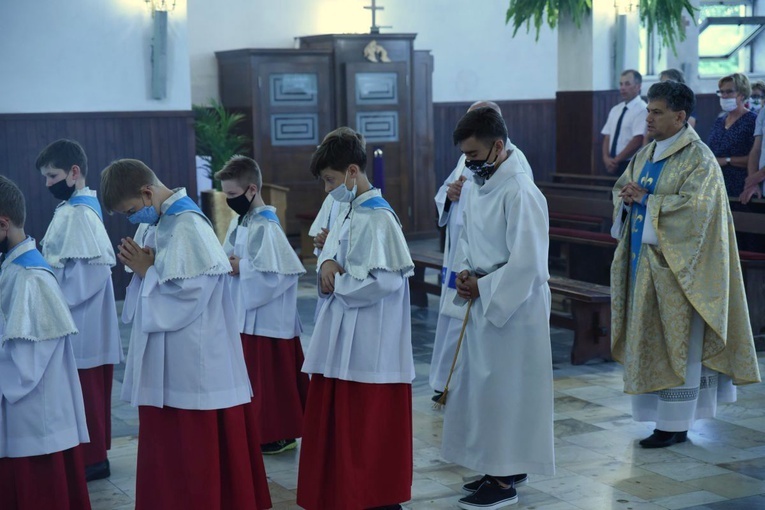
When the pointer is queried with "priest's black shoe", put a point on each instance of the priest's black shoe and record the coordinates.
(662, 439)
(97, 471)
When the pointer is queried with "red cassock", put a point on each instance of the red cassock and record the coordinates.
(279, 388)
(55, 481)
(357, 450)
(97, 395)
(200, 460)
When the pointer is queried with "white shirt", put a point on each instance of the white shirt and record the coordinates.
(633, 123)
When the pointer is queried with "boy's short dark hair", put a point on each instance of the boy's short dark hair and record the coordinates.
(485, 124)
(677, 96)
(123, 180)
(243, 170)
(12, 202)
(340, 149)
(63, 154)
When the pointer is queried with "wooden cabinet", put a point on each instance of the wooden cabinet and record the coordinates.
(292, 98)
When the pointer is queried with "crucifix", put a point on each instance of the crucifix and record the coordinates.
(375, 28)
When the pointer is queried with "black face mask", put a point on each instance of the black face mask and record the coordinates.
(482, 168)
(240, 205)
(61, 190)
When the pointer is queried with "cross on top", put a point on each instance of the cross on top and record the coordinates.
(375, 28)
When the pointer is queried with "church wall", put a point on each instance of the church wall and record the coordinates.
(87, 56)
(475, 55)
(163, 140)
(81, 69)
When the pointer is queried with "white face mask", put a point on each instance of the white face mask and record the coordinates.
(342, 193)
(728, 104)
(755, 105)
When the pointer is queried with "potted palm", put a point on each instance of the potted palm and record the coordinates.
(217, 141)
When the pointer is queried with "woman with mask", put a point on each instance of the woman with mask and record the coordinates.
(732, 134)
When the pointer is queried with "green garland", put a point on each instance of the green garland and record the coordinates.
(664, 17)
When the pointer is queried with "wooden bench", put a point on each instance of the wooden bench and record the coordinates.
(419, 288)
(590, 318)
(603, 180)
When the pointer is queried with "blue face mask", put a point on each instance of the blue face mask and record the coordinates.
(342, 193)
(146, 215)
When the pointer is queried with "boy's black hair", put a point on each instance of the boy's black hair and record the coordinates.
(485, 124)
(340, 149)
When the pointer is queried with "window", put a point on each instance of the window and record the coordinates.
(726, 31)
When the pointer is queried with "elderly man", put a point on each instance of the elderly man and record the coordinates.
(625, 127)
(680, 324)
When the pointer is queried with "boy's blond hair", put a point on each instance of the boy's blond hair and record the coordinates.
(243, 170)
(123, 180)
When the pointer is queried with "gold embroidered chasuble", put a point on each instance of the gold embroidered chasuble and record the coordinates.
(694, 266)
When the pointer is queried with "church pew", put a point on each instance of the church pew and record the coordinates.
(602, 180)
(590, 307)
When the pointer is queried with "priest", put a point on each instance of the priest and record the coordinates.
(679, 316)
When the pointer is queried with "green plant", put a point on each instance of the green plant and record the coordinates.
(216, 136)
(663, 16)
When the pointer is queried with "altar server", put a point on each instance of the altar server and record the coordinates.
(357, 451)
(42, 418)
(197, 446)
(264, 286)
(499, 413)
(78, 249)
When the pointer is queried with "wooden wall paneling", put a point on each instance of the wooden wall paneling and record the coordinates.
(163, 140)
(531, 126)
(423, 177)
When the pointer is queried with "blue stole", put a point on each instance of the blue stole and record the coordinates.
(32, 259)
(87, 201)
(269, 215)
(649, 176)
(452, 281)
(182, 205)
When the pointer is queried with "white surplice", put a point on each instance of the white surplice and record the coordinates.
(185, 349)
(78, 249)
(265, 291)
(363, 332)
(41, 406)
(499, 413)
(450, 316)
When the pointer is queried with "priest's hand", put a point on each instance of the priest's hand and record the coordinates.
(136, 258)
(632, 192)
(749, 193)
(467, 285)
(320, 239)
(328, 271)
(454, 189)
(234, 265)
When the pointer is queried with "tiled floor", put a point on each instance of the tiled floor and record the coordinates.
(599, 464)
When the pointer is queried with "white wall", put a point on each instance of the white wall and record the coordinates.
(475, 55)
(87, 55)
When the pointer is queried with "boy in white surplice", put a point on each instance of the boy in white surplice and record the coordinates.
(42, 417)
(499, 415)
(78, 249)
(357, 448)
